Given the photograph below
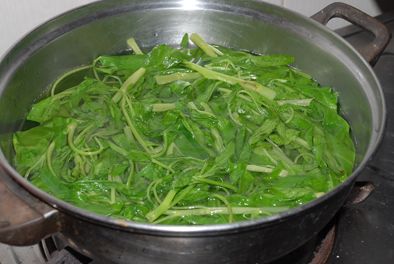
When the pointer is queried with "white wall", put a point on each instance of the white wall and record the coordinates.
(18, 17)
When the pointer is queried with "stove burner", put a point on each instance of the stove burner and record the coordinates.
(53, 255)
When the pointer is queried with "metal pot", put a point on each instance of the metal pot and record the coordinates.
(28, 214)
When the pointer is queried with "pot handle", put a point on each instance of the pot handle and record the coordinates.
(370, 52)
(24, 220)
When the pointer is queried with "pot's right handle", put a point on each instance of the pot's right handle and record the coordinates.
(24, 220)
(370, 52)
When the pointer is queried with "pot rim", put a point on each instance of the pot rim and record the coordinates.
(179, 230)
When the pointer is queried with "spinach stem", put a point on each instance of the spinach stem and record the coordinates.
(182, 194)
(163, 149)
(67, 74)
(70, 135)
(162, 208)
(219, 146)
(165, 218)
(162, 165)
(256, 168)
(131, 81)
(248, 85)
(154, 189)
(297, 102)
(148, 191)
(229, 207)
(217, 183)
(136, 134)
(178, 76)
(41, 160)
(163, 107)
(225, 211)
(131, 174)
(113, 192)
(51, 148)
(207, 48)
(118, 149)
(134, 46)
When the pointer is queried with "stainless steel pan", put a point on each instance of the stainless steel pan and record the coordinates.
(74, 38)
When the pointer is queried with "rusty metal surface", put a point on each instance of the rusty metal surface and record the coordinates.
(323, 252)
(382, 35)
(361, 191)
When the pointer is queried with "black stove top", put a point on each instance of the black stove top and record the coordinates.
(365, 231)
(361, 232)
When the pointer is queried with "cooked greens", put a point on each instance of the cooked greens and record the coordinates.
(202, 135)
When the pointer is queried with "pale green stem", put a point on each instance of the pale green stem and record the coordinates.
(208, 49)
(290, 117)
(163, 148)
(50, 150)
(134, 46)
(303, 155)
(163, 107)
(162, 165)
(39, 161)
(155, 191)
(182, 194)
(256, 168)
(162, 208)
(71, 130)
(259, 109)
(231, 115)
(192, 106)
(113, 192)
(297, 102)
(224, 210)
(162, 219)
(247, 85)
(132, 80)
(148, 191)
(69, 73)
(303, 143)
(225, 91)
(131, 174)
(118, 149)
(226, 203)
(178, 76)
(136, 134)
(217, 139)
(212, 182)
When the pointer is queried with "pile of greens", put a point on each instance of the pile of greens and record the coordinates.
(202, 135)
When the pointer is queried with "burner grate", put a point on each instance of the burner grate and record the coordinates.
(53, 255)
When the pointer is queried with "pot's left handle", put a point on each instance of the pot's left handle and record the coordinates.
(24, 220)
(371, 51)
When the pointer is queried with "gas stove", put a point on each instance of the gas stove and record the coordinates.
(363, 230)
